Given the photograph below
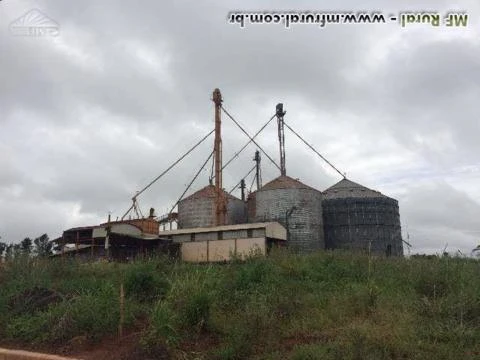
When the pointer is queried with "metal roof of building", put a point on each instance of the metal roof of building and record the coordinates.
(346, 189)
(67, 250)
(285, 182)
(136, 236)
(275, 226)
(80, 228)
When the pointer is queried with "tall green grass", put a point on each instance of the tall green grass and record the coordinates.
(328, 305)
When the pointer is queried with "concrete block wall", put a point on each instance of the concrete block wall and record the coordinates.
(305, 223)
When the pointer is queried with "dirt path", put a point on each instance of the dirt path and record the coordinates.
(7, 354)
(80, 348)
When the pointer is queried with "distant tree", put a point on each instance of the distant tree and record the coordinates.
(26, 246)
(43, 245)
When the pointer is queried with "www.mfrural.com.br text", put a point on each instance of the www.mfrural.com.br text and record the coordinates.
(322, 19)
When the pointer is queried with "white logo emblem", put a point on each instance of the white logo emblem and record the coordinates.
(34, 23)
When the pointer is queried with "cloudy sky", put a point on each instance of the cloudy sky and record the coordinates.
(88, 117)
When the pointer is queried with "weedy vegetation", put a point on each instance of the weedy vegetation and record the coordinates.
(329, 305)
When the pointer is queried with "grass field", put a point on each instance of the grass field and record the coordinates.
(320, 306)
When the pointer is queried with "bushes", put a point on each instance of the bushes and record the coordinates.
(87, 303)
(29, 328)
(31, 300)
(431, 285)
(162, 331)
(196, 313)
(91, 315)
(145, 284)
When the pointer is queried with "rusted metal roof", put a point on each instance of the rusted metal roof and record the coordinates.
(285, 182)
(208, 192)
(346, 188)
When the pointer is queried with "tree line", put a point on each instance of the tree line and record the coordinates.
(40, 246)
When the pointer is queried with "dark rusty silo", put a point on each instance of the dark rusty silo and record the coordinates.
(198, 209)
(296, 206)
(358, 218)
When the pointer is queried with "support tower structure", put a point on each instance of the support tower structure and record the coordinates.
(220, 200)
(281, 137)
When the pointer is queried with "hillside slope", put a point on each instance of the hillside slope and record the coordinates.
(322, 306)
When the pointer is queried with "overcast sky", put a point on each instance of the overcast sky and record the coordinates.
(90, 116)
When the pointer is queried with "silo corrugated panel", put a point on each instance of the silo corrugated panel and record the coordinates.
(359, 218)
(251, 207)
(305, 225)
(236, 211)
(198, 210)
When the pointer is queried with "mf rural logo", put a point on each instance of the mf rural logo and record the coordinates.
(34, 23)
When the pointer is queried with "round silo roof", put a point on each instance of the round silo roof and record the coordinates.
(208, 192)
(347, 189)
(285, 182)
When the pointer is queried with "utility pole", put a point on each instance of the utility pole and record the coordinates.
(220, 206)
(258, 173)
(281, 138)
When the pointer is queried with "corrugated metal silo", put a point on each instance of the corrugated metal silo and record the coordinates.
(198, 209)
(304, 224)
(356, 218)
(251, 207)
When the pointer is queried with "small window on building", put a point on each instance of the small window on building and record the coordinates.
(220, 235)
(249, 233)
(192, 237)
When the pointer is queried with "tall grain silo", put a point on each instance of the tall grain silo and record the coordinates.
(198, 209)
(296, 206)
(358, 218)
